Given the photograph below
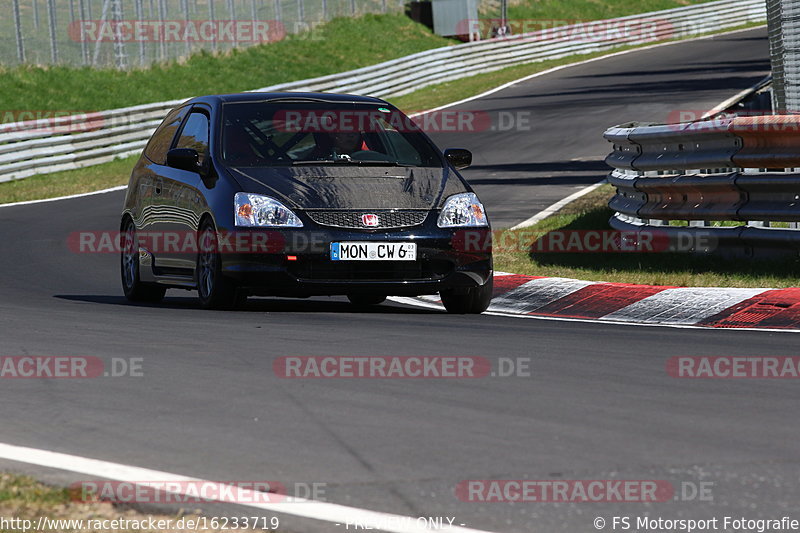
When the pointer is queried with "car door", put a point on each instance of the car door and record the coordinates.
(144, 194)
(179, 206)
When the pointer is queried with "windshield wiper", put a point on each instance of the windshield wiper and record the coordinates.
(367, 162)
(315, 162)
(363, 162)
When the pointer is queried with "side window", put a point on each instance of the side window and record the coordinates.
(156, 149)
(195, 135)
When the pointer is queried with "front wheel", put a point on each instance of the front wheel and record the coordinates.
(214, 290)
(135, 290)
(475, 300)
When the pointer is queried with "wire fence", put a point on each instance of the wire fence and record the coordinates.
(135, 33)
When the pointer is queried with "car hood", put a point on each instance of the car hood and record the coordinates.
(352, 187)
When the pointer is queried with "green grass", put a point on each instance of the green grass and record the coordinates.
(589, 9)
(337, 46)
(24, 498)
(25, 492)
(68, 182)
(671, 269)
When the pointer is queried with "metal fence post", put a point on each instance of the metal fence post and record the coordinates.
(232, 15)
(51, 18)
(18, 31)
(777, 54)
(185, 9)
(140, 16)
(84, 48)
(211, 16)
(103, 18)
(162, 16)
(120, 57)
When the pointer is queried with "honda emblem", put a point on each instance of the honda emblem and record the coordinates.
(370, 220)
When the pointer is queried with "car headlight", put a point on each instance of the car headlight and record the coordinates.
(462, 210)
(257, 210)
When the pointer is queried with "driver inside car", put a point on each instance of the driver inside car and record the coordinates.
(339, 145)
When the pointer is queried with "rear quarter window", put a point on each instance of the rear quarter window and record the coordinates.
(157, 147)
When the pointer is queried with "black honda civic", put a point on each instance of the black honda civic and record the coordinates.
(302, 194)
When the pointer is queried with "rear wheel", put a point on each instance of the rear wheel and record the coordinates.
(364, 300)
(474, 300)
(214, 289)
(135, 290)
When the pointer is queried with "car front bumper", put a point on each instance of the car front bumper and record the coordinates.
(298, 263)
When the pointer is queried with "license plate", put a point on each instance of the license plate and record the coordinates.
(373, 251)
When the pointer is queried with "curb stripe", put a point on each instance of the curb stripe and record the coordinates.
(778, 308)
(536, 293)
(682, 305)
(597, 301)
(510, 282)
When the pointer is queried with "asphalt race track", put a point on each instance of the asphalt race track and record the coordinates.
(597, 405)
(548, 142)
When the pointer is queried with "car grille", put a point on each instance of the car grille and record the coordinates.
(400, 218)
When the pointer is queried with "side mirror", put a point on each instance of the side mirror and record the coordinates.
(458, 157)
(184, 159)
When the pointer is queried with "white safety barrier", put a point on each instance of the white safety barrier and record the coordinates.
(47, 145)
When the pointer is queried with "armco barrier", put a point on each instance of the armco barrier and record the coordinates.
(681, 178)
(25, 151)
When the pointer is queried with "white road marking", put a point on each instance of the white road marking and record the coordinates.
(328, 512)
(70, 197)
(541, 215)
(736, 98)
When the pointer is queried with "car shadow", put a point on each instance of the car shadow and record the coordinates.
(260, 305)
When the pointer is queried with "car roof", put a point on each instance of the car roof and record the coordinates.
(217, 99)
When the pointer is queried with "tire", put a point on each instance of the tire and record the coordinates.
(214, 290)
(135, 290)
(475, 300)
(366, 300)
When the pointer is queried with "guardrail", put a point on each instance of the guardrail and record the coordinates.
(680, 179)
(26, 150)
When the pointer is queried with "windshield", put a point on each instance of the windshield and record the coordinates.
(292, 133)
